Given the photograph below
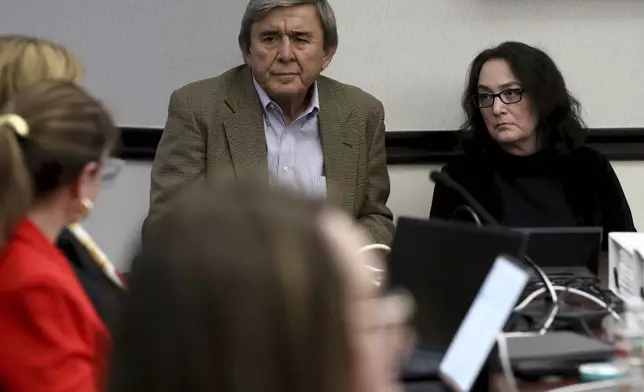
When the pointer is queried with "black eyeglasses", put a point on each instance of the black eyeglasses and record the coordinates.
(509, 96)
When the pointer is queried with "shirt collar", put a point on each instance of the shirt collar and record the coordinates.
(314, 104)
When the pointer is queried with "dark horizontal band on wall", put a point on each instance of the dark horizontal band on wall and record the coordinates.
(416, 147)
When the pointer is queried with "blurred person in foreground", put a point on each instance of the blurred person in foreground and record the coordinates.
(54, 141)
(27, 60)
(525, 155)
(260, 291)
(277, 117)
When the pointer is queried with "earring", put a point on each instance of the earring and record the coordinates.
(88, 204)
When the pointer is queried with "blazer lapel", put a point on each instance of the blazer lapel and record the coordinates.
(245, 128)
(340, 145)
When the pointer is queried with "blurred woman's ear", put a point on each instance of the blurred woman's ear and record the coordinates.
(84, 191)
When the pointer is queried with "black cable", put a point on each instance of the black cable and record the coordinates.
(543, 277)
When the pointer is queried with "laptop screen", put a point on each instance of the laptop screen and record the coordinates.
(564, 246)
(472, 344)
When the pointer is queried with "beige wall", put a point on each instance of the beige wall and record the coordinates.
(411, 54)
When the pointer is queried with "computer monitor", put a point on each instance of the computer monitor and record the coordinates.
(564, 249)
(477, 334)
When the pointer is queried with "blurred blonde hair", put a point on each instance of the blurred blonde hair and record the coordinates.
(27, 60)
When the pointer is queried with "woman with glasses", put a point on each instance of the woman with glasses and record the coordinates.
(261, 291)
(525, 158)
(54, 142)
(26, 60)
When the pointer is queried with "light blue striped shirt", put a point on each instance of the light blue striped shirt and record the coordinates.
(294, 150)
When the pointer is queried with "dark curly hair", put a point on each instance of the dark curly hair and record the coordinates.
(559, 125)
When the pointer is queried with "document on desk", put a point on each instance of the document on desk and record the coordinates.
(473, 342)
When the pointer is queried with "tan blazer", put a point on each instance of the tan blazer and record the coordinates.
(215, 127)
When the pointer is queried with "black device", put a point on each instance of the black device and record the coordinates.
(570, 256)
(555, 353)
(443, 264)
(565, 251)
(561, 250)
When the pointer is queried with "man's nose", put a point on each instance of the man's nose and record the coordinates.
(286, 50)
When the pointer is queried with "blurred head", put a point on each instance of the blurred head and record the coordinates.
(27, 60)
(516, 98)
(261, 290)
(51, 158)
(288, 43)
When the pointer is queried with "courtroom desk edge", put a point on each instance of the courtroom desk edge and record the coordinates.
(416, 147)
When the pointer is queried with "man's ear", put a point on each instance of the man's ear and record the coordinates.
(328, 56)
(245, 52)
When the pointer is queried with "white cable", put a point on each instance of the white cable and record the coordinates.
(531, 297)
(378, 271)
(553, 313)
(472, 213)
(571, 290)
(590, 386)
(371, 247)
(504, 357)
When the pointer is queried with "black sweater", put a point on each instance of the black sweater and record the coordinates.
(545, 189)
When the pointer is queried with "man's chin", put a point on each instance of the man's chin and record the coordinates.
(287, 91)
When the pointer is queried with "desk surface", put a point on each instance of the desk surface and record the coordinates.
(499, 384)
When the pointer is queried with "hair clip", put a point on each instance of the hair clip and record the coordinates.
(17, 123)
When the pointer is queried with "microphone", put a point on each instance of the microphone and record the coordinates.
(441, 178)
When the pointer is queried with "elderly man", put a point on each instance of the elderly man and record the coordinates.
(276, 116)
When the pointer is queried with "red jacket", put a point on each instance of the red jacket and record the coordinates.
(51, 338)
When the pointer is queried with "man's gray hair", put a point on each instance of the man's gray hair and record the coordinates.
(257, 10)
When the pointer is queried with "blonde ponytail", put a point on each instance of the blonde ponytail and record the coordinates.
(15, 183)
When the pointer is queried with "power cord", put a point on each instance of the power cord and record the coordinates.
(470, 211)
(372, 247)
(554, 310)
(379, 272)
(543, 277)
(531, 297)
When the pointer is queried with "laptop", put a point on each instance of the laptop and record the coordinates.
(469, 350)
(443, 264)
(571, 252)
